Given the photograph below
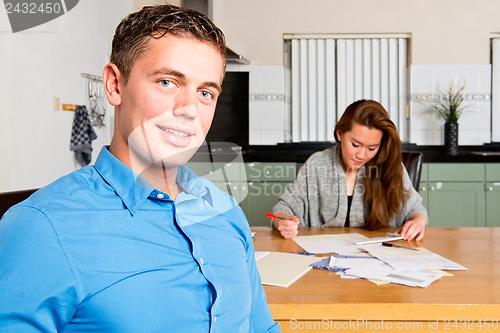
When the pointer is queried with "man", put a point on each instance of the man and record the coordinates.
(138, 243)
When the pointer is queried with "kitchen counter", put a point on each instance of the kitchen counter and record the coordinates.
(299, 152)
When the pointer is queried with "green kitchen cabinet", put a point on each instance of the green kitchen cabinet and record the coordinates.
(265, 183)
(456, 204)
(423, 188)
(493, 195)
(255, 186)
(226, 176)
(493, 204)
(456, 194)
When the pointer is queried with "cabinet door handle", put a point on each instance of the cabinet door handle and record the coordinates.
(424, 189)
(432, 188)
(490, 188)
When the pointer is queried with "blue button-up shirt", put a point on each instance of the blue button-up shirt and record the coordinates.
(101, 250)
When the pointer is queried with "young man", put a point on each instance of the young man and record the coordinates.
(138, 243)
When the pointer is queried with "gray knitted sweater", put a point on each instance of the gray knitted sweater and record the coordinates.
(318, 196)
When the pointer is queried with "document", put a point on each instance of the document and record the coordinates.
(340, 263)
(260, 254)
(404, 259)
(281, 268)
(347, 262)
(380, 240)
(338, 243)
(379, 270)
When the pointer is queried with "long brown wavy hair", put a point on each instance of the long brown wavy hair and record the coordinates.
(384, 191)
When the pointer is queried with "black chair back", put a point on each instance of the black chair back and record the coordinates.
(9, 199)
(412, 161)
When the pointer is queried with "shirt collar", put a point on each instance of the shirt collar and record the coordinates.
(193, 185)
(133, 190)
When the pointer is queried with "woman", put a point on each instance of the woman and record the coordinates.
(359, 182)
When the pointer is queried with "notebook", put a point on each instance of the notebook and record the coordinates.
(282, 269)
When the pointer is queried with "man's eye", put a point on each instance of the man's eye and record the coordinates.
(165, 83)
(205, 94)
(354, 145)
(371, 149)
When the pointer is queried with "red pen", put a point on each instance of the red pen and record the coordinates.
(272, 216)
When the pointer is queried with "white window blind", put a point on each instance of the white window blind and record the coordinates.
(495, 90)
(326, 73)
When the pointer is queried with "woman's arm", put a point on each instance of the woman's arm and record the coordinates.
(413, 218)
(292, 206)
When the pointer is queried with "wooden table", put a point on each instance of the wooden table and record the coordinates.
(322, 302)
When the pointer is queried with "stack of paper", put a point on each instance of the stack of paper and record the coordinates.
(416, 268)
(401, 258)
(379, 270)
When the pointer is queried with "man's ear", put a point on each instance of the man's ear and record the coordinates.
(111, 77)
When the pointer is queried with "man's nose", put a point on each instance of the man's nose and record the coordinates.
(185, 104)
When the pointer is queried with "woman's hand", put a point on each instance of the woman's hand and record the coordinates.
(414, 227)
(288, 227)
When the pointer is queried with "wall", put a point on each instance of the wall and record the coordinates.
(6, 129)
(443, 32)
(46, 62)
(266, 103)
(450, 41)
(474, 124)
(37, 65)
(138, 4)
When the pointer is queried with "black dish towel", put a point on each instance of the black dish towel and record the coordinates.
(82, 135)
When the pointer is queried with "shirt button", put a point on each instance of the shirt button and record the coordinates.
(215, 319)
(201, 260)
(160, 196)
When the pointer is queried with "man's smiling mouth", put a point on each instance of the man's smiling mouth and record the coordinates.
(169, 130)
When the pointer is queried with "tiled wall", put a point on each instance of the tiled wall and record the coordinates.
(475, 123)
(267, 103)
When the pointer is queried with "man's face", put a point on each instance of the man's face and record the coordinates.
(168, 103)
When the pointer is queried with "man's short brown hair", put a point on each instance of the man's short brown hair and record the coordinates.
(135, 30)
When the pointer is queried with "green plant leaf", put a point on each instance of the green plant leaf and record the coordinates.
(450, 108)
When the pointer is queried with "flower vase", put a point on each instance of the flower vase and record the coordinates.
(451, 138)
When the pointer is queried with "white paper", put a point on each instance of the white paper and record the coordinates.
(338, 243)
(378, 270)
(347, 263)
(380, 240)
(344, 276)
(282, 269)
(404, 259)
(260, 254)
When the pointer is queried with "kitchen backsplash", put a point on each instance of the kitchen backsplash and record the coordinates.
(267, 103)
(432, 80)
